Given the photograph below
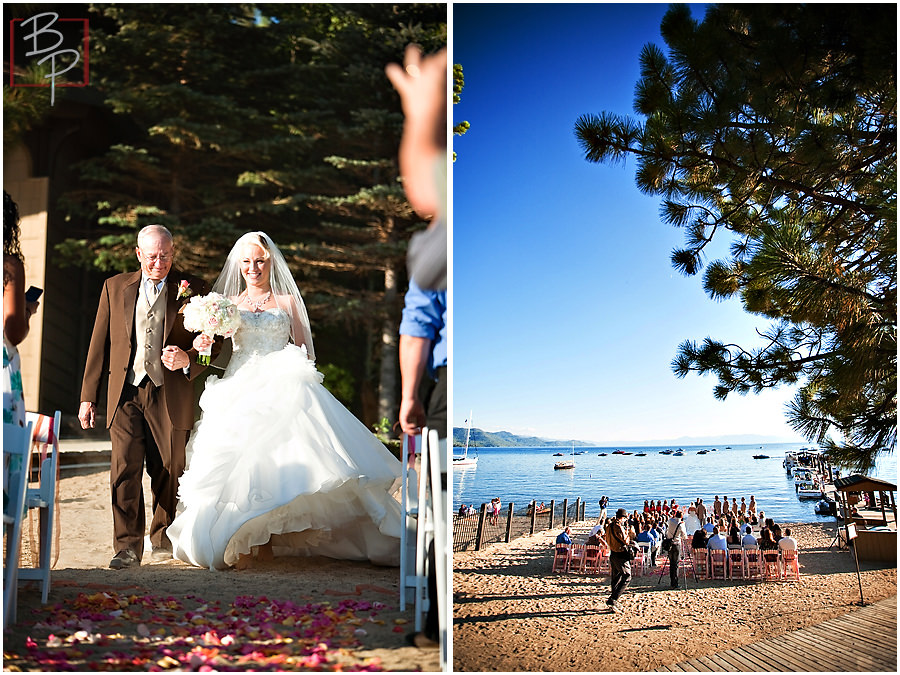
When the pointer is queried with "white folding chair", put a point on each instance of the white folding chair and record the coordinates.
(16, 448)
(409, 505)
(436, 452)
(42, 497)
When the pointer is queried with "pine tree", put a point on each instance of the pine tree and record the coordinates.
(274, 117)
(775, 125)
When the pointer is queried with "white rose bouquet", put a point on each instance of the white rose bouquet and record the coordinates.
(212, 314)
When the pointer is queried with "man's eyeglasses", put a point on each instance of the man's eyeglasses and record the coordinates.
(154, 258)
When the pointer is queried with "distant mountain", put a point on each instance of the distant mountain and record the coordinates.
(504, 439)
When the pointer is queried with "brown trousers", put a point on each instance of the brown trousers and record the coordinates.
(141, 431)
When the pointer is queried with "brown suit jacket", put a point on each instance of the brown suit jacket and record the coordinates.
(109, 355)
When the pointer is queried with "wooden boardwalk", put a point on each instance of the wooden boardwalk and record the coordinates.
(862, 641)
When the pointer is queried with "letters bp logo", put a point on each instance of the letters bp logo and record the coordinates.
(53, 46)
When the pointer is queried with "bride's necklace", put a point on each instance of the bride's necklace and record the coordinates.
(257, 305)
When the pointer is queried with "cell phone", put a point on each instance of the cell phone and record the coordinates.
(33, 293)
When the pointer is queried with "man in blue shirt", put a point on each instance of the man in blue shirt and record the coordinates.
(717, 541)
(563, 537)
(423, 361)
(649, 536)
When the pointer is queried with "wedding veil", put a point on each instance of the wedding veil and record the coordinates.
(284, 289)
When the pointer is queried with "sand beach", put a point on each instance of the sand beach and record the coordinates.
(512, 614)
(288, 614)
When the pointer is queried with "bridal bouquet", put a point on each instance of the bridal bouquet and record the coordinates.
(212, 314)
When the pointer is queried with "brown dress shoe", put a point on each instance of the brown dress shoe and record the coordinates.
(123, 559)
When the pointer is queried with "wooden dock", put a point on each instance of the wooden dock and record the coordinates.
(863, 641)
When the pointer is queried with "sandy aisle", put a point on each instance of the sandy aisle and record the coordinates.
(511, 614)
(86, 549)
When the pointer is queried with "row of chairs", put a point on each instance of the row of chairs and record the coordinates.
(742, 563)
(748, 563)
(25, 491)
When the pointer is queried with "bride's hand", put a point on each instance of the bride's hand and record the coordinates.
(202, 342)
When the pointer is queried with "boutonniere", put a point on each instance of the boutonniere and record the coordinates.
(184, 289)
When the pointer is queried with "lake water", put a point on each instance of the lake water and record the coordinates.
(520, 475)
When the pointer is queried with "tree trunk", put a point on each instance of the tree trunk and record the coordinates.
(387, 381)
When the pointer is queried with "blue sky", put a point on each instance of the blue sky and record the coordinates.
(567, 312)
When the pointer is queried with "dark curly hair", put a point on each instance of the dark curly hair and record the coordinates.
(11, 227)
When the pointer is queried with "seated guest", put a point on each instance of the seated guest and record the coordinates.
(776, 531)
(787, 542)
(766, 542)
(709, 525)
(734, 533)
(564, 537)
(717, 541)
(748, 539)
(700, 539)
(462, 511)
(595, 538)
(648, 538)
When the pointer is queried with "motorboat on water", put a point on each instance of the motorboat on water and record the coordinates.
(566, 463)
(641, 454)
(678, 453)
(760, 457)
(809, 491)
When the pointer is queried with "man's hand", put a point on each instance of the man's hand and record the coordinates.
(86, 412)
(412, 416)
(175, 358)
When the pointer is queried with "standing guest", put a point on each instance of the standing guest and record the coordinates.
(701, 511)
(734, 506)
(717, 508)
(787, 542)
(726, 506)
(140, 347)
(665, 507)
(564, 537)
(743, 506)
(618, 539)
(675, 531)
(748, 538)
(717, 541)
(646, 506)
(751, 507)
(17, 313)
(604, 500)
(692, 509)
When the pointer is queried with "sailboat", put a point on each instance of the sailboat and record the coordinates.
(464, 459)
(567, 463)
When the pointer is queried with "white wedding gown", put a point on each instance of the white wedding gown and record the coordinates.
(275, 455)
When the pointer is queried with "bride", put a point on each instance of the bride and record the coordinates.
(276, 463)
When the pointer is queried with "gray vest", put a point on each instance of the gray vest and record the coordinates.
(147, 337)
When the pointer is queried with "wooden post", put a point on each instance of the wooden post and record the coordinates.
(479, 532)
(533, 515)
(552, 513)
(565, 511)
(577, 509)
(509, 520)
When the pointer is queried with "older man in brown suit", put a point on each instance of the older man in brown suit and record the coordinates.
(140, 346)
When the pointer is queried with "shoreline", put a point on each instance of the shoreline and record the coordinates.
(559, 622)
